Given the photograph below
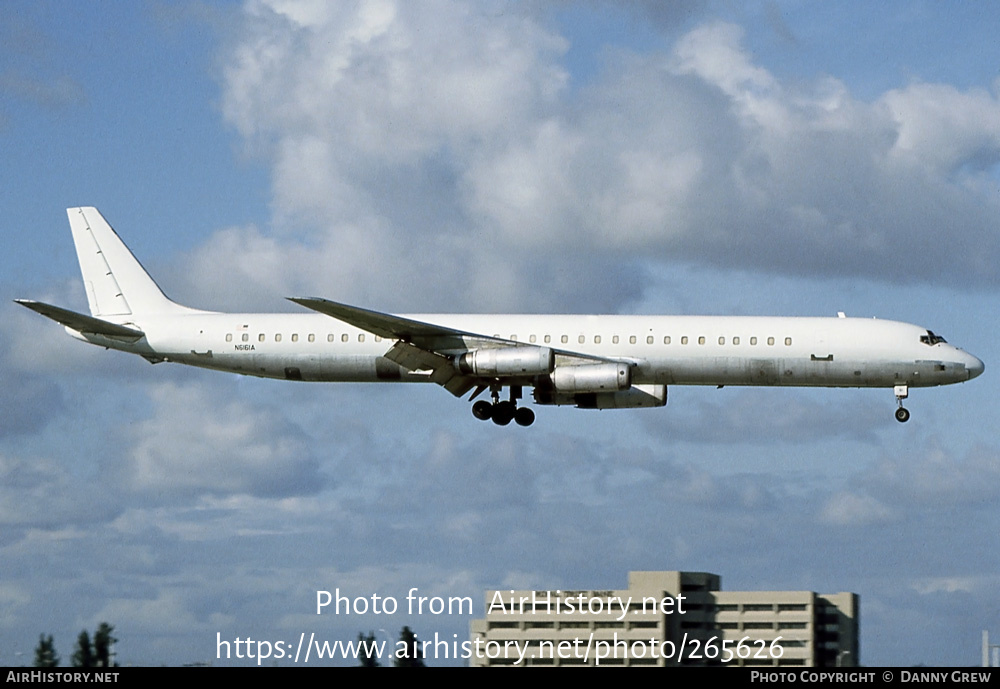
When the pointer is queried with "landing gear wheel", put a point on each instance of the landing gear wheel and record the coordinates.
(503, 413)
(902, 415)
(524, 416)
(482, 410)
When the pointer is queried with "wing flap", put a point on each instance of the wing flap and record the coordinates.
(413, 358)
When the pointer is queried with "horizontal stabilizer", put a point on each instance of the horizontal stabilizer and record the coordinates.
(81, 323)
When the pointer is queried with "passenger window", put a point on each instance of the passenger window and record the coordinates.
(246, 337)
(684, 339)
(564, 339)
(532, 339)
(361, 337)
(770, 340)
(548, 339)
(753, 340)
(649, 339)
(701, 339)
(329, 338)
(260, 337)
(277, 337)
(513, 338)
(312, 338)
(295, 337)
(229, 337)
(597, 339)
(581, 339)
(666, 339)
(788, 342)
(378, 338)
(722, 340)
(631, 339)
(614, 339)
(344, 337)
(736, 340)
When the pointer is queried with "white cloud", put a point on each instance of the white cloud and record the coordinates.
(849, 509)
(197, 442)
(414, 148)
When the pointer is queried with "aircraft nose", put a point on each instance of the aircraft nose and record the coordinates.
(974, 366)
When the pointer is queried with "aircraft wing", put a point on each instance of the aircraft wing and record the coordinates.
(424, 346)
(81, 323)
(425, 335)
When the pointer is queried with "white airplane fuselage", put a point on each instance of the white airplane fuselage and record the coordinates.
(668, 350)
(599, 362)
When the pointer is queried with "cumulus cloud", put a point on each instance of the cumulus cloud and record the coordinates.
(435, 156)
(926, 480)
(196, 443)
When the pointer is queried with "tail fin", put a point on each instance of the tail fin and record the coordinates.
(116, 283)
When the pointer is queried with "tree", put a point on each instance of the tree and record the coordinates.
(83, 656)
(103, 641)
(98, 653)
(408, 653)
(45, 652)
(366, 650)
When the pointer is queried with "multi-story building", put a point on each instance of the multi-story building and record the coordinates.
(667, 619)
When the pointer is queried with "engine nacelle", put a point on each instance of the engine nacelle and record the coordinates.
(592, 378)
(509, 361)
(634, 398)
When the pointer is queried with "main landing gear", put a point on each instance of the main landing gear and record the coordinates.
(503, 413)
(902, 413)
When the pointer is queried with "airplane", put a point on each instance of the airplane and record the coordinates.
(589, 361)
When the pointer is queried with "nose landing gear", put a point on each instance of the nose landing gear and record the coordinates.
(502, 413)
(902, 413)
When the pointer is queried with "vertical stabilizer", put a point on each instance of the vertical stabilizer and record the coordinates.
(116, 283)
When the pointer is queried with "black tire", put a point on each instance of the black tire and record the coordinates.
(524, 416)
(482, 410)
(902, 415)
(503, 413)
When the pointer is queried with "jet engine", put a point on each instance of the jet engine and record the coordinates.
(509, 361)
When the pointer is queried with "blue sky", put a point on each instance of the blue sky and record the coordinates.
(784, 158)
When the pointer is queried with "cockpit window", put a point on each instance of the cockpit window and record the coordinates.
(931, 339)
